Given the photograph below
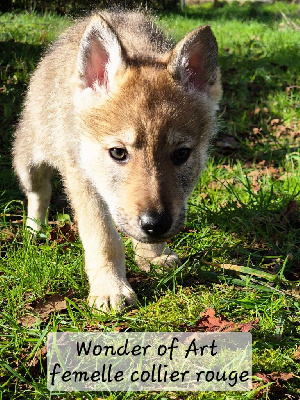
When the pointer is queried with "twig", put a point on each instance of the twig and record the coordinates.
(295, 26)
(246, 270)
(240, 268)
(281, 291)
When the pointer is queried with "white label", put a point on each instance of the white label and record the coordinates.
(136, 361)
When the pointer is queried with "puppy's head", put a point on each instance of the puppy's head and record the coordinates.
(145, 128)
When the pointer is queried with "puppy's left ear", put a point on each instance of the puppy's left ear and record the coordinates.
(194, 61)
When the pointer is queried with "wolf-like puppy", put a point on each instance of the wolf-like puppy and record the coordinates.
(126, 117)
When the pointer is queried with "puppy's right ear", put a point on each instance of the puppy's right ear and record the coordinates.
(100, 56)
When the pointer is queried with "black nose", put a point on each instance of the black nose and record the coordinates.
(155, 224)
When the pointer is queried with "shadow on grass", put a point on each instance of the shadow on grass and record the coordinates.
(235, 11)
(250, 78)
(265, 228)
(253, 84)
(16, 64)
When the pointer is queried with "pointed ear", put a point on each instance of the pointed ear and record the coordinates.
(100, 55)
(194, 61)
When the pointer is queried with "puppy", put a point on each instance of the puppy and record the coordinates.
(126, 117)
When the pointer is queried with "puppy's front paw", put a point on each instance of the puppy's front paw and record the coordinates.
(168, 259)
(111, 294)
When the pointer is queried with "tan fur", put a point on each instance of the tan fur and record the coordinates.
(113, 81)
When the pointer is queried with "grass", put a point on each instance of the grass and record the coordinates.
(243, 214)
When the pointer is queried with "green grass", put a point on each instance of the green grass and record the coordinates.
(244, 213)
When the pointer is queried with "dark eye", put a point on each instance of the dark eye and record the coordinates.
(180, 156)
(118, 154)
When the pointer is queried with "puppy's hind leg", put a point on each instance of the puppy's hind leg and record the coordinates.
(35, 180)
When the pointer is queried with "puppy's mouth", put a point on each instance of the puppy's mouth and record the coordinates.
(151, 239)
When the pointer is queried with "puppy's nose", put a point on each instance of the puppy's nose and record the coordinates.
(155, 224)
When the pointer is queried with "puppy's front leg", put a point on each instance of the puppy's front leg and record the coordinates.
(157, 253)
(104, 253)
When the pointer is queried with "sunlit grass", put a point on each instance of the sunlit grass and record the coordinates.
(238, 212)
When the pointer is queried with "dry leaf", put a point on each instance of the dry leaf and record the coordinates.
(256, 131)
(40, 354)
(63, 234)
(210, 323)
(121, 328)
(277, 387)
(54, 302)
(290, 213)
(44, 307)
(297, 354)
(275, 121)
(274, 376)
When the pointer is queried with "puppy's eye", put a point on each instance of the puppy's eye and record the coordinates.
(180, 156)
(118, 154)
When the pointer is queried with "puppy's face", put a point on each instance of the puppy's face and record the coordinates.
(145, 121)
(143, 150)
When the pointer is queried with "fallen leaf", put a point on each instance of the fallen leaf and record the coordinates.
(120, 328)
(255, 185)
(40, 354)
(203, 195)
(284, 376)
(276, 387)
(274, 376)
(255, 172)
(63, 235)
(44, 307)
(275, 121)
(208, 322)
(227, 167)
(54, 302)
(256, 131)
(6, 235)
(27, 320)
(220, 184)
(297, 354)
(137, 279)
(290, 213)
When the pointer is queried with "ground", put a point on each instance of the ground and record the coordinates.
(240, 246)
